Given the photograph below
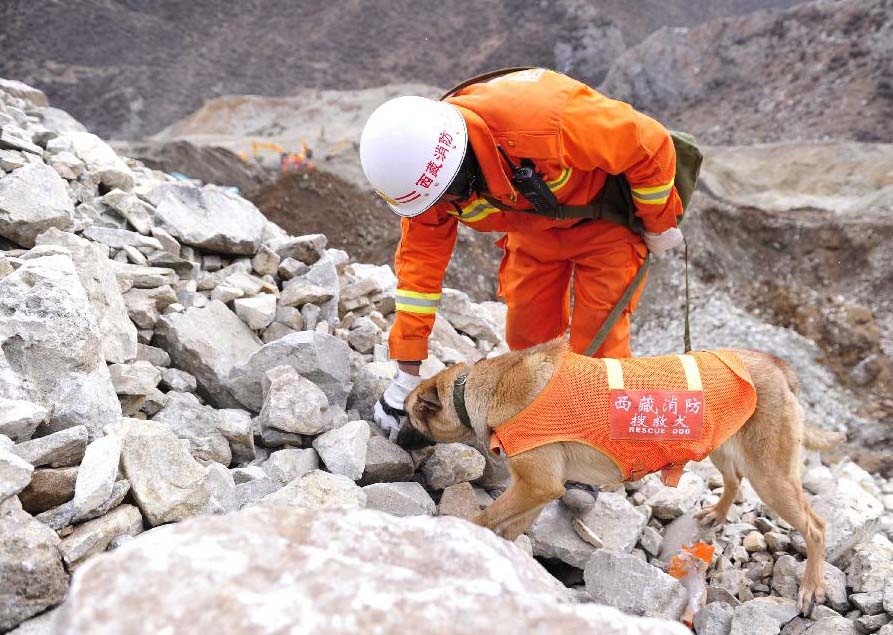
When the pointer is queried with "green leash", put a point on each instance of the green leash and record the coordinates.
(627, 297)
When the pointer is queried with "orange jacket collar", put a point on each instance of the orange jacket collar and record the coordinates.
(492, 164)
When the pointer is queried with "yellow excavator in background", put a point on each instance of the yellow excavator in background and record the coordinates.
(288, 161)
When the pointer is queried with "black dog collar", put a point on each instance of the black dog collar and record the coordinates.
(459, 399)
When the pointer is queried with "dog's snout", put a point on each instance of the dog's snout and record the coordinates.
(409, 438)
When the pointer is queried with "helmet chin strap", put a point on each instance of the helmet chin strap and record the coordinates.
(469, 179)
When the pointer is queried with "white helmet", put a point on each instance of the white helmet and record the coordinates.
(411, 150)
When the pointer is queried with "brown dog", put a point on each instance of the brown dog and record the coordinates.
(766, 449)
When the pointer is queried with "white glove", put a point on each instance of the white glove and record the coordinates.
(391, 418)
(663, 242)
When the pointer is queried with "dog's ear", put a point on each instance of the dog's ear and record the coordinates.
(429, 399)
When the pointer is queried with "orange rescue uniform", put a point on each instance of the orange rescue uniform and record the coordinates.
(575, 404)
(576, 137)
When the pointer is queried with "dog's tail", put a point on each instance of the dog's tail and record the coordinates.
(817, 439)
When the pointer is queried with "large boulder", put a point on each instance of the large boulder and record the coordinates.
(276, 570)
(98, 279)
(198, 424)
(32, 577)
(33, 199)
(851, 516)
(209, 218)
(208, 342)
(50, 340)
(323, 359)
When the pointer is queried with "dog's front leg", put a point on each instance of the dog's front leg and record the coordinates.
(511, 514)
(537, 479)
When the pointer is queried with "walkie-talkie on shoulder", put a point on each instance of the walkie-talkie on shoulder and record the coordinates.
(530, 185)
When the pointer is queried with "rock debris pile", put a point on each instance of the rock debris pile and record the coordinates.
(166, 353)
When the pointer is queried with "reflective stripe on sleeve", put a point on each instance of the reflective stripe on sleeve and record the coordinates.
(417, 301)
(656, 195)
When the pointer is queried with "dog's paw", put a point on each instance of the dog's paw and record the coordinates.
(810, 596)
(710, 516)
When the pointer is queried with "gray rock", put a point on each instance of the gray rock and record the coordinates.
(208, 343)
(460, 500)
(787, 575)
(763, 616)
(343, 450)
(120, 238)
(273, 556)
(323, 359)
(832, 626)
(60, 449)
(672, 502)
(32, 577)
(99, 158)
(318, 490)
(851, 516)
(177, 380)
(399, 499)
(872, 623)
(369, 382)
(49, 335)
(21, 90)
(276, 331)
(98, 279)
(153, 355)
(307, 249)
(290, 268)
(167, 483)
(33, 199)
(386, 462)
(871, 566)
(300, 291)
(16, 138)
(625, 582)
(651, 541)
(48, 488)
(252, 492)
(236, 426)
(310, 314)
(15, 474)
(452, 463)
(286, 465)
(364, 335)
(43, 624)
(144, 306)
(19, 419)
(199, 425)
(247, 474)
(325, 274)
(888, 597)
(97, 474)
(137, 378)
(142, 277)
(94, 536)
(616, 522)
(552, 536)
(292, 403)
(208, 218)
(714, 619)
(467, 317)
(265, 262)
(868, 603)
(257, 312)
(132, 209)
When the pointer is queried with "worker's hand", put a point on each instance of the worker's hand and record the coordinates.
(388, 411)
(663, 242)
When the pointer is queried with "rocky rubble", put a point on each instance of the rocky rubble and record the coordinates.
(166, 353)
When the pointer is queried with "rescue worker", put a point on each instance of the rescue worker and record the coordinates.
(440, 163)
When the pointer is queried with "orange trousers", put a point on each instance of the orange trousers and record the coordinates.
(535, 280)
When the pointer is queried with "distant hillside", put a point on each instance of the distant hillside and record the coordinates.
(127, 68)
(822, 70)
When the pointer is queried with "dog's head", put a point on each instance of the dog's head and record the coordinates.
(432, 415)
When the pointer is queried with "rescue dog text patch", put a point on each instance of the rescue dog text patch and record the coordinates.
(657, 415)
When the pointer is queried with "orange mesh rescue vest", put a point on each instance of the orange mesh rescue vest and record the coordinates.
(576, 403)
